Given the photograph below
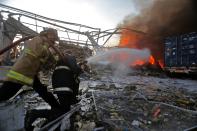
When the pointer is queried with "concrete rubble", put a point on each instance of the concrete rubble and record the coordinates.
(130, 102)
(139, 100)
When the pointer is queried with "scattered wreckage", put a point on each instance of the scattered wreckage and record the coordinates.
(132, 102)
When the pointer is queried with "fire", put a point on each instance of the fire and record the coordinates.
(161, 64)
(133, 58)
(123, 57)
(135, 40)
(129, 39)
(143, 62)
(138, 63)
(151, 60)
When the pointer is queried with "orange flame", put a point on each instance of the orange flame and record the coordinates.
(138, 63)
(134, 40)
(129, 39)
(161, 63)
(151, 60)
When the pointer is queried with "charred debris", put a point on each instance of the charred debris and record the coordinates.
(119, 91)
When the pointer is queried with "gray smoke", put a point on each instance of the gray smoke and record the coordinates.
(119, 59)
(160, 19)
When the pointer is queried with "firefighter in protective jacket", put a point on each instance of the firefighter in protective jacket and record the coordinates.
(25, 70)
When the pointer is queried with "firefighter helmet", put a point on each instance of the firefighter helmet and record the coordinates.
(50, 32)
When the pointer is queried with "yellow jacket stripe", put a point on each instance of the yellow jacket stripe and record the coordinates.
(28, 51)
(20, 77)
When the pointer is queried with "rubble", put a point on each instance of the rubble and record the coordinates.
(129, 102)
(136, 102)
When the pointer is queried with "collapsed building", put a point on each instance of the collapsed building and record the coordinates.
(114, 96)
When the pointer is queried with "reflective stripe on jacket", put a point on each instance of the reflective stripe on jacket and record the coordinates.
(36, 54)
(20, 77)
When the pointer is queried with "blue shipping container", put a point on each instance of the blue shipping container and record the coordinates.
(181, 51)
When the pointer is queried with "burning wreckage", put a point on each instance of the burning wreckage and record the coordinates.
(122, 88)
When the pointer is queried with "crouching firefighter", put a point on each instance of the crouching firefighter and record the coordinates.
(65, 81)
(65, 84)
(24, 72)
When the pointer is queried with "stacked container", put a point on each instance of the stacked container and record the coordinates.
(181, 51)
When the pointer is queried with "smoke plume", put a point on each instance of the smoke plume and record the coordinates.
(160, 19)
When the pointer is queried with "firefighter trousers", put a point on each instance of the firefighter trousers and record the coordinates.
(9, 89)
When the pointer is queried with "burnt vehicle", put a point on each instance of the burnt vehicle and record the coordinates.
(180, 53)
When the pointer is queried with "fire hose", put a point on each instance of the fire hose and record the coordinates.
(15, 44)
(55, 123)
(27, 38)
(84, 105)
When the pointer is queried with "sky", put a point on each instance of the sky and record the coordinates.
(104, 14)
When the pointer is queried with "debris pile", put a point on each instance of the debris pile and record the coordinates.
(136, 102)
(128, 102)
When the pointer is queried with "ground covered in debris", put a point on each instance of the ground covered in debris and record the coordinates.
(131, 102)
(141, 102)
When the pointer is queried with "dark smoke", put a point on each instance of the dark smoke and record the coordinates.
(164, 18)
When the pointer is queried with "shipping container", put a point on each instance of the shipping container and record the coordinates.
(181, 53)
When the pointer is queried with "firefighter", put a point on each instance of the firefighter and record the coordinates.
(66, 85)
(25, 71)
(65, 81)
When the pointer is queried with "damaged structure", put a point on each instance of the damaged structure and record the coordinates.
(118, 94)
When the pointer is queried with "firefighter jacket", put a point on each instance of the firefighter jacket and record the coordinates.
(35, 55)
